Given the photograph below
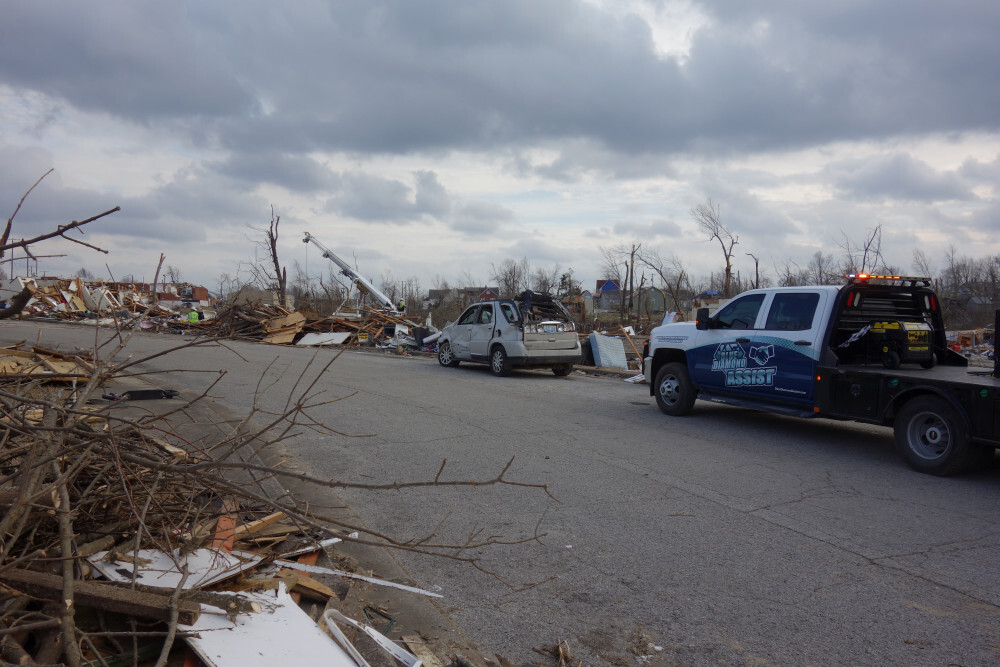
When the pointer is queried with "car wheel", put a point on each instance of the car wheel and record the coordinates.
(675, 393)
(562, 370)
(931, 438)
(445, 356)
(499, 362)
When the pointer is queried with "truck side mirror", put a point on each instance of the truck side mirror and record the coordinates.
(701, 319)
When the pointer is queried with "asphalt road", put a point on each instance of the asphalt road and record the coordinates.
(726, 537)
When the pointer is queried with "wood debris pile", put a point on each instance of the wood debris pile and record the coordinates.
(76, 299)
(121, 533)
(135, 306)
(278, 326)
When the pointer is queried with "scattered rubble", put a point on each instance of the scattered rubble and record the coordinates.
(188, 310)
(119, 535)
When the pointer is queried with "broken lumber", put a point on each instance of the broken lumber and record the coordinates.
(259, 524)
(101, 596)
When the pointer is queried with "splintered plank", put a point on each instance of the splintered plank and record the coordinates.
(101, 596)
(259, 524)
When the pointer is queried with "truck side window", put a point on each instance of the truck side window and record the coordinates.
(741, 313)
(486, 315)
(469, 316)
(508, 312)
(792, 312)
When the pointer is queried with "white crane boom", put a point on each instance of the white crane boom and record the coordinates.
(363, 284)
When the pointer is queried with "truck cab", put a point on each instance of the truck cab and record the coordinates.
(761, 347)
(873, 350)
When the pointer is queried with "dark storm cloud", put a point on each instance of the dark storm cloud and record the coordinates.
(297, 173)
(981, 172)
(479, 217)
(180, 210)
(49, 204)
(371, 198)
(397, 76)
(141, 61)
(898, 176)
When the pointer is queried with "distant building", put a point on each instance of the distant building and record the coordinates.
(608, 295)
(651, 302)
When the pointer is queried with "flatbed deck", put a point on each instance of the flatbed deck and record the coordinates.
(967, 375)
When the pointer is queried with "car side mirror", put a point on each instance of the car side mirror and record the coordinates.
(701, 319)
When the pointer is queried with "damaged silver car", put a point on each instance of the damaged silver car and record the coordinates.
(534, 330)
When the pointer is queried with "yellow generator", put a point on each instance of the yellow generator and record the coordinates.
(896, 342)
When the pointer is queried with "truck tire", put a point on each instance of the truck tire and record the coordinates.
(931, 437)
(499, 362)
(675, 393)
(562, 370)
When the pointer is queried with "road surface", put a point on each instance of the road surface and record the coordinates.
(726, 537)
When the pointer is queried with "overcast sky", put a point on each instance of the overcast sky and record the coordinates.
(435, 138)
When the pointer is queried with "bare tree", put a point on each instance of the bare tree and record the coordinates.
(612, 263)
(616, 264)
(709, 220)
(388, 285)
(671, 273)
(568, 286)
(511, 276)
(791, 274)
(866, 257)
(922, 264)
(172, 274)
(272, 275)
(20, 300)
(546, 280)
(822, 270)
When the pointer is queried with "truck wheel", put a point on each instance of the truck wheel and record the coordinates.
(931, 438)
(674, 392)
(562, 370)
(499, 362)
(445, 356)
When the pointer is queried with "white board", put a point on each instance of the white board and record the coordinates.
(282, 634)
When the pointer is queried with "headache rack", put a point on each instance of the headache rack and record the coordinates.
(888, 319)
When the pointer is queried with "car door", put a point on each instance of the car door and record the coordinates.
(481, 333)
(719, 355)
(784, 353)
(462, 332)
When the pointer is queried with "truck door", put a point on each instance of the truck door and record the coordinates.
(719, 357)
(481, 333)
(785, 351)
